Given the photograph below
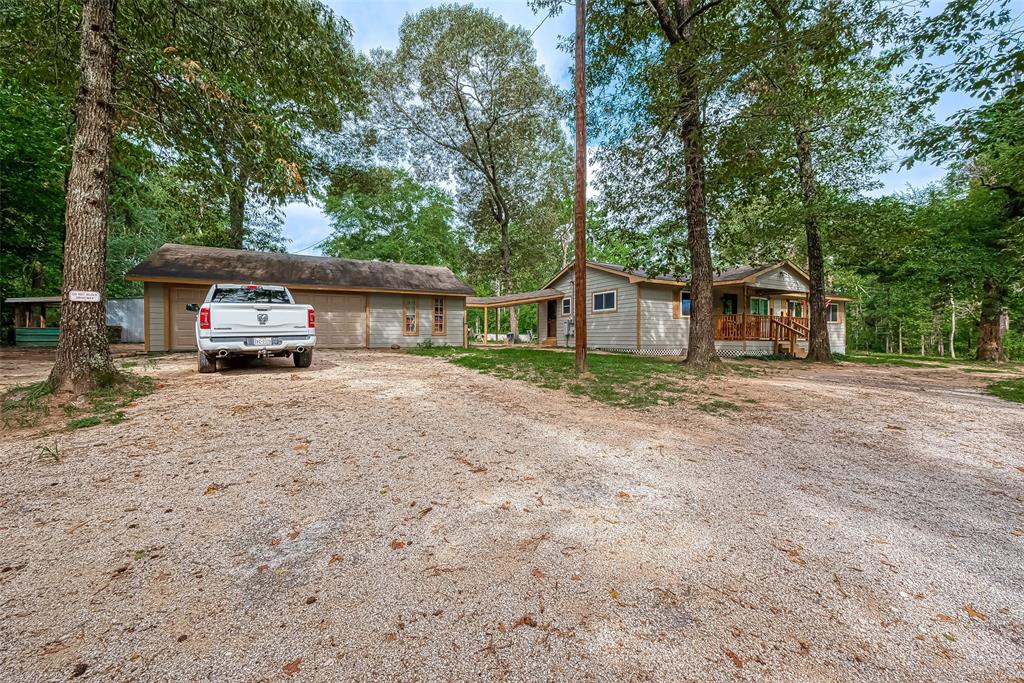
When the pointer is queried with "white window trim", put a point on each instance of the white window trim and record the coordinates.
(689, 298)
(593, 301)
(828, 318)
(561, 309)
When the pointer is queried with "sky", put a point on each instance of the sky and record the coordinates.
(375, 24)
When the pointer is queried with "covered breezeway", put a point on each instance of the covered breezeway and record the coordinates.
(547, 301)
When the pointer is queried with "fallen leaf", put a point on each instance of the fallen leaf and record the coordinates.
(262, 568)
(944, 617)
(275, 541)
(1017, 532)
(293, 534)
(537, 573)
(391, 637)
(292, 667)
(614, 593)
(805, 647)
(525, 620)
(335, 558)
(213, 488)
(501, 627)
(397, 544)
(299, 447)
(950, 637)
(624, 496)
(974, 614)
(734, 657)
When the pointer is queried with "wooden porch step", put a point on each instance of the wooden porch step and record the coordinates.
(549, 341)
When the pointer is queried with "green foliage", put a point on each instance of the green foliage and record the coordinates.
(464, 103)
(34, 158)
(384, 214)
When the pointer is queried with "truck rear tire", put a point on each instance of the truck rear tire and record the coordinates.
(207, 363)
(304, 359)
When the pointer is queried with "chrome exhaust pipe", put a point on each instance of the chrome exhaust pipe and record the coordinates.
(222, 353)
(300, 349)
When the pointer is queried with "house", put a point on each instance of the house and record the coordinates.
(359, 304)
(759, 310)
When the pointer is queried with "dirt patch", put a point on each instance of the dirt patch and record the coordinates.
(388, 516)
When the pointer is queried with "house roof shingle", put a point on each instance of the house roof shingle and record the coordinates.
(173, 262)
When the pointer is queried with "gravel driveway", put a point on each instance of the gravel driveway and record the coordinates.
(390, 517)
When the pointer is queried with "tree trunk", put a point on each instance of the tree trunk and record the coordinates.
(236, 214)
(506, 271)
(83, 351)
(818, 348)
(992, 323)
(952, 327)
(901, 339)
(701, 346)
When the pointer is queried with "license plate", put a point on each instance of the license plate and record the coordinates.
(261, 341)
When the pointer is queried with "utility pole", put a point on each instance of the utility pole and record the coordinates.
(580, 201)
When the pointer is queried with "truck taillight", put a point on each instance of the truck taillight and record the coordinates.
(204, 318)
(311, 321)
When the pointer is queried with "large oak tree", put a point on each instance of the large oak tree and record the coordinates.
(463, 101)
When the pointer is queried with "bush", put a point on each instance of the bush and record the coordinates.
(1013, 345)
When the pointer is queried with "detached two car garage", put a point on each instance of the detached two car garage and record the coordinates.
(359, 304)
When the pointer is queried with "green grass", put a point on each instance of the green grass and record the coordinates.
(615, 379)
(716, 406)
(1008, 389)
(27, 405)
(885, 359)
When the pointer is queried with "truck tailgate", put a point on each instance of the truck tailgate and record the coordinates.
(258, 319)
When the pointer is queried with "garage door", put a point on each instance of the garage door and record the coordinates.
(183, 323)
(340, 318)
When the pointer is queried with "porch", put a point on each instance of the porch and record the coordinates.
(546, 298)
(784, 332)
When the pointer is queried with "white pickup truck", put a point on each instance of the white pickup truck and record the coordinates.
(253, 320)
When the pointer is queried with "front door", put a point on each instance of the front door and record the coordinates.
(552, 319)
(729, 304)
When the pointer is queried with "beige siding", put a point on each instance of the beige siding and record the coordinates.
(659, 329)
(615, 330)
(837, 331)
(782, 277)
(155, 312)
(386, 321)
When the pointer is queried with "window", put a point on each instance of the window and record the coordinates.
(795, 308)
(758, 306)
(832, 313)
(567, 306)
(439, 317)
(250, 294)
(409, 306)
(685, 304)
(604, 301)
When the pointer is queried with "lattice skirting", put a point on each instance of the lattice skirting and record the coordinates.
(723, 351)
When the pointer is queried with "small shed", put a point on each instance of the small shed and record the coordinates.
(37, 320)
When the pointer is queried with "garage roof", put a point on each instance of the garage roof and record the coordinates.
(209, 265)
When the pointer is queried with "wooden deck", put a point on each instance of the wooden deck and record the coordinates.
(739, 327)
